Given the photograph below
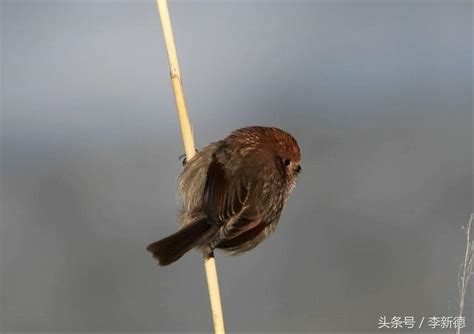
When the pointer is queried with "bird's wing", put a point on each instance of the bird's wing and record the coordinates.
(223, 198)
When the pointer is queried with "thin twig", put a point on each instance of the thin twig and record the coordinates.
(189, 149)
(465, 271)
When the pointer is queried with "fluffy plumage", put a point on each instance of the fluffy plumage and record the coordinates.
(232, 193)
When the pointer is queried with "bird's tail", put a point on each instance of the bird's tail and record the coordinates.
(171, 248)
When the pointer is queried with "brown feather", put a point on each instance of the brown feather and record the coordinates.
(222, 200)
(242, 238)
(171, 248)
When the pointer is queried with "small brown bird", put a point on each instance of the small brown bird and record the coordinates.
(232, 193)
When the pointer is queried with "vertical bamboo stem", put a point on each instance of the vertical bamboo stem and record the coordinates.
(189, 149)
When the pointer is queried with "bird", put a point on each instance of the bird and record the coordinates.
(232, 193)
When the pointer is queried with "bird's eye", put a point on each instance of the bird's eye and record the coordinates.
(286, 162)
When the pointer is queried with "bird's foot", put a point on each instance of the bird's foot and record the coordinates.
(183, 158)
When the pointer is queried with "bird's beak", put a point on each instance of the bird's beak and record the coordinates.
(297, 169)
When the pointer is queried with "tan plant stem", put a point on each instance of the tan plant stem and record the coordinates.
(189, 149)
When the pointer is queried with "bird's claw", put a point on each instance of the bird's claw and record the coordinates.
(184, 159)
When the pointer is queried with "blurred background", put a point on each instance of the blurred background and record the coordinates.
(378, 94)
